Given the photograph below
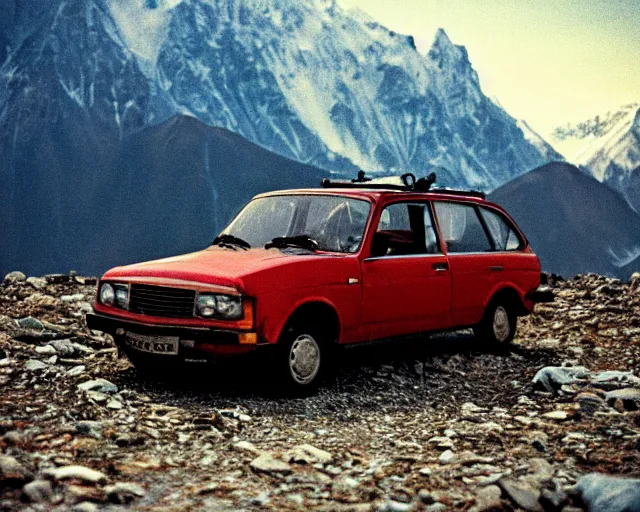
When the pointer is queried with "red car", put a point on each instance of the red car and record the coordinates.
(302, 271)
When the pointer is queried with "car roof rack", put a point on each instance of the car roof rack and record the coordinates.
(410, 184)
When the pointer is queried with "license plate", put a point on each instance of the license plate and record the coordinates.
(153, 344)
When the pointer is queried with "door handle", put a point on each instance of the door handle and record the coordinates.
(496, 268)
(440, 267)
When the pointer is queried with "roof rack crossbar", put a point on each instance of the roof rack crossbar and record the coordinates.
(410, 185)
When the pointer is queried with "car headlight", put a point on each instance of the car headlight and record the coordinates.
(114, 294)
(122, 295)
(206, 306)
(227, 307)
(107, 294)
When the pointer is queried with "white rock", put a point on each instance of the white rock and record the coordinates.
(308, 454)
(46, 350)
(266, 463)
(77, 473)
(34, 365)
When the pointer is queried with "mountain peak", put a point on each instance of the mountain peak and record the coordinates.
(442, 39)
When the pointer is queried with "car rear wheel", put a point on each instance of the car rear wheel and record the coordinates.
(498, 325)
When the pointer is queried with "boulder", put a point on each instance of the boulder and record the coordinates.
(603, 493)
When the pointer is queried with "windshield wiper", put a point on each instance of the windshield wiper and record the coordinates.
(303, 241)
(232, 241)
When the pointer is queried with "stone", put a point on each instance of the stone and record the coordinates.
(77, 473)
(14, 277)
(615, 380)
(246, 446)
(396, 506)
(308, 454)
(556, 415)
(38, 491)
(487, 499)
(33, 365)
(130, 440)
(552, 378)
(522, 495)
(266, 463)
(76, 297)
(114, 404)
(85, 506)
(590, 403)
(465, 458)
(37, 282)
(63, 347)
(100, 385)
(76, 370)
(553, 500)
(46, 350)
(626, 399)
(446, 457)
(31, 323)
(12, 472)
(89, 428)
(124, 493)
(603, 493)
(426, 497)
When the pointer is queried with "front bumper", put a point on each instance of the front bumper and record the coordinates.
(194, 341)
(542, 294)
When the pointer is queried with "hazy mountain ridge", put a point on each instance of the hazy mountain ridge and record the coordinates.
(574, 223)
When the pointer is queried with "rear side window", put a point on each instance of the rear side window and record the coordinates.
(405, 229)
(504, 237)
(461, 228)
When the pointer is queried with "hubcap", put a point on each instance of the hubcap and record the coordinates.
(501, 324)
(304, 359)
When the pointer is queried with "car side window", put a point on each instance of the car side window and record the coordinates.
(461, 228)
(504, 237)
(405, 229)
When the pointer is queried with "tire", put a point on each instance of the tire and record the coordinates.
(498, 325)
(301, 360)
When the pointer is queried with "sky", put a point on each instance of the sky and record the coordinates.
(548, 62)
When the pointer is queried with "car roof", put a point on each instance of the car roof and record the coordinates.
(378, 194)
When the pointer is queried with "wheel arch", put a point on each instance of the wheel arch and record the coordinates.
(322, 314)
(510, 295)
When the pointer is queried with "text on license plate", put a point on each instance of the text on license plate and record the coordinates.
(153, 344)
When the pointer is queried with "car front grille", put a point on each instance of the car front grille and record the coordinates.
(161, 301)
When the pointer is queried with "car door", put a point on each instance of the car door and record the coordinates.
(406, 283)
(472, 259)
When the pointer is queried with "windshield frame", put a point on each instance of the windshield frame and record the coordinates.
(352, 197)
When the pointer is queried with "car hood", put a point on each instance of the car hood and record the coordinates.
(225, 267)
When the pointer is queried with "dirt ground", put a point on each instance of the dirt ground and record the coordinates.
(436, 423)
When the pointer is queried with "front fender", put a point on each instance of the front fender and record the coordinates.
(275, 310)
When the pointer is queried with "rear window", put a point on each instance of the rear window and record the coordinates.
(503, 235)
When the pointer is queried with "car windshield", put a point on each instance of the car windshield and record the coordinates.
(336, 223)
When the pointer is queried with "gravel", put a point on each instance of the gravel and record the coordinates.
(438, 423)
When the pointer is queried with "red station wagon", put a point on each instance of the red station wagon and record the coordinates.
(303, 271)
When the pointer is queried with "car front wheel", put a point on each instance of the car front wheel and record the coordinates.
(301, 360)
(498, 326)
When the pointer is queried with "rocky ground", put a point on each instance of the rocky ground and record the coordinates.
(431, 424)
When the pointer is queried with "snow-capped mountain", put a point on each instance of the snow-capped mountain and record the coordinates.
(301, 78)
(608, 146)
